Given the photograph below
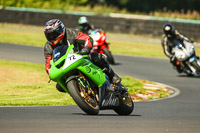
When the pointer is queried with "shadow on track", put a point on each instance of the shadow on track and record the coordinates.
(186, 76)
(105, 115)
(116, 64)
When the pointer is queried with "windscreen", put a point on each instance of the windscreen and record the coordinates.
(59, 51)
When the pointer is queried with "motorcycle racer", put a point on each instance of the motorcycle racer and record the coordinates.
(168, 42)
(56, 34)
(84, 25)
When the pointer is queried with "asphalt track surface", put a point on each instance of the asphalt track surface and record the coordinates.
(180, 114)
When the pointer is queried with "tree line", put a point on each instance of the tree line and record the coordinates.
(130, 5)
(156, 5)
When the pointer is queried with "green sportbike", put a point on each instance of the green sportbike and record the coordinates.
(87, 84)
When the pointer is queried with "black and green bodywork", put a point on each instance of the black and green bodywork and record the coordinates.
(65, 64)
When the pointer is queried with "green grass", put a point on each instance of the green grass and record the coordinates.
(25, 84)
(34, 36)
(137, 49)
(22, 34)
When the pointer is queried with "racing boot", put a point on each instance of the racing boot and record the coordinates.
(122, 89)
(114, 78)
(116, 81)
(101, 61)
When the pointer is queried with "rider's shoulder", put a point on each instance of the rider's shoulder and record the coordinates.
(48, 48)
(70, 30)
(177, 32)
(71, 33)
(47, 44)
(164, 36)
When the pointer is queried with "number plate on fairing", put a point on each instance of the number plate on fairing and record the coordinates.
(71, 58)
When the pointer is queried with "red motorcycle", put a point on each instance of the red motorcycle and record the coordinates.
(100, 45)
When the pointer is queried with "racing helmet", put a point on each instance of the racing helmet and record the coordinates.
(169, 30)
(83, 23)
(54, 31)
(83, 20)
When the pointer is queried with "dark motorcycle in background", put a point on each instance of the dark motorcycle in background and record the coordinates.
(186, 59)
(100, 45)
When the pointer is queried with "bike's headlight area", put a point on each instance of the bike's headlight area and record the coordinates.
(180, 56)
(60, 64)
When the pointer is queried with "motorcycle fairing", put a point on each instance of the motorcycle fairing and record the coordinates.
(110, 101)
(71, 58)
(193, 59)
(70, 62)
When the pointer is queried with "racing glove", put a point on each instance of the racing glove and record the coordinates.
(85, 50)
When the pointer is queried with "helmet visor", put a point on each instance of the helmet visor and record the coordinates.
(54, 34)
(84, 27)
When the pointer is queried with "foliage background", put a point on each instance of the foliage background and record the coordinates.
(187, 9)
(130, 5)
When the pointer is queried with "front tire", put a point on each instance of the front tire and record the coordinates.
(87, 103)
(126, 105)
(196, 65)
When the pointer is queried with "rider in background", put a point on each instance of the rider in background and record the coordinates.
(168, 42)
(56, 34)
(84, 25)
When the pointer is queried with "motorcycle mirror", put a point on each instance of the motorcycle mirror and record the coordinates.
(49, 80)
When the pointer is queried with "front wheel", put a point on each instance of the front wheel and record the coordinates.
(109, 56)
(126, 105)
(196, 65)
(87, 102)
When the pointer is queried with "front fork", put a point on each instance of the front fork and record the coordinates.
(87, 88)
(189, 65)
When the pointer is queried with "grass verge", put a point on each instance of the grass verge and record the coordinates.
(23, 84)
(22, 34)
(136, 48)
(34, 36)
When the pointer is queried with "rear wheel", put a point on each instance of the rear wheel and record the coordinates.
(84, 97)
(109, 56)
(126, 105)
